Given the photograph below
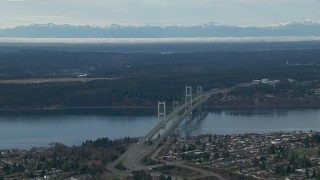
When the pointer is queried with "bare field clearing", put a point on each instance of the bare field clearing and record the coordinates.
(50, 80)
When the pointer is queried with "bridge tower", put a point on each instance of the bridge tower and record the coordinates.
(199, 93)
(188, 100)
(162, 113)
(199, 98)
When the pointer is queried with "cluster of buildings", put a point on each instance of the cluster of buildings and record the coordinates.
(265, 81)
(288, 155)
(21, 164)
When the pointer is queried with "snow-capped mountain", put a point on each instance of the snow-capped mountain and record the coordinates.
(212, 29)
(307, 22)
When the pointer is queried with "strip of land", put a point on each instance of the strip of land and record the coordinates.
(50, 80)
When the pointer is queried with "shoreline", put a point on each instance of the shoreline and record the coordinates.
(122, 138)
(154, 107)
(216, 108)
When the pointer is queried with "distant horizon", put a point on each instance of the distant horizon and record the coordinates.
(158, 40)
(155, 12)
(212, 31)
(173, 25)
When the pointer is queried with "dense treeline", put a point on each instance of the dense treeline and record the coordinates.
(89, 158)
(271, 95)
(255, 64)
(142, 78)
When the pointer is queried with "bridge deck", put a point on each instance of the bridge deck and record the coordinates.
(133, 156)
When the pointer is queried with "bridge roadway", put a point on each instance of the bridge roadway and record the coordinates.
(196, 102)
(132, 158)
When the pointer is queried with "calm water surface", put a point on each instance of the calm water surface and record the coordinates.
(25, 129)
(250, 120)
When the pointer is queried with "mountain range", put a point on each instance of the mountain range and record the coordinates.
(213, 29)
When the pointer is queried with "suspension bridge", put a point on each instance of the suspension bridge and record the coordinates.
(191, 104)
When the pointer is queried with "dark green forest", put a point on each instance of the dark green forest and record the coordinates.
(142, 79)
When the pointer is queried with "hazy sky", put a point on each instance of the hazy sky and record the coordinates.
(156, 12)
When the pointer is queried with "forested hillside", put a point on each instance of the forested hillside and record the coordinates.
(141, 79)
